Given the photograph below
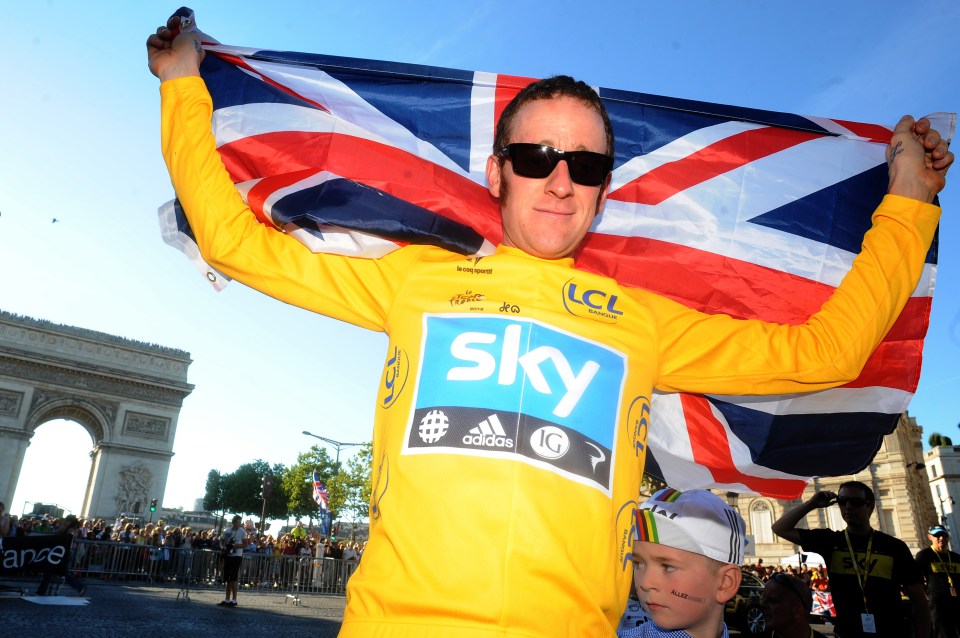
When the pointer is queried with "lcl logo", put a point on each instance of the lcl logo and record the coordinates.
(593, 303)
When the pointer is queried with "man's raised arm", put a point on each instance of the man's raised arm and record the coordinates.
(173, 52)
(918, 159)
(786, 526)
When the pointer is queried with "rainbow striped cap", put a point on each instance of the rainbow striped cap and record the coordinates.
(696, 521)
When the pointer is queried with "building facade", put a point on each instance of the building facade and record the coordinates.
(943, 471)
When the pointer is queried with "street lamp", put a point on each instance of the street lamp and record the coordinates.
(336, 445)
(943, 514)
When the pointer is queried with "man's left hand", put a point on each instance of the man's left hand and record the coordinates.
(918, 159)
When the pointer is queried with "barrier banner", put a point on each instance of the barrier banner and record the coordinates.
(47, 553)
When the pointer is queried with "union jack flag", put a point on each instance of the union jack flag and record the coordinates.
(320, 492)
(751, 213)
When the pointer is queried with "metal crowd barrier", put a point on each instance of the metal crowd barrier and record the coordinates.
(110, 561)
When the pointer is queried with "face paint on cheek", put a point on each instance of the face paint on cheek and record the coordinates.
(680, 594)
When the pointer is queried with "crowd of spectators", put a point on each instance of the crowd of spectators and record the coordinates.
(305, 542)
(816, 578)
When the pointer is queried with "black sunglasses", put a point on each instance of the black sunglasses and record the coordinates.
(538, 161)
(854, 501)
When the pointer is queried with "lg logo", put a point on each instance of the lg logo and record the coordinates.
(550, 442)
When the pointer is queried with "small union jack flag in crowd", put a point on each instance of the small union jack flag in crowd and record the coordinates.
(320, 492)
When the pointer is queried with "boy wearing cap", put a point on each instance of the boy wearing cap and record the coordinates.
(941, 571)
(686, 560)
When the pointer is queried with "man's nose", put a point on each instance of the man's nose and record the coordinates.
(559, 182)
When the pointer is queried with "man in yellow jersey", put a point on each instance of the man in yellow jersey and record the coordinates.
(867, 569)
(498, 411)
(941, 572)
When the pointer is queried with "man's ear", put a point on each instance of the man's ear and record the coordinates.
(494, 176)
(602, 197)
(728, 582)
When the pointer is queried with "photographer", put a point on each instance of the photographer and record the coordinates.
(232, 543)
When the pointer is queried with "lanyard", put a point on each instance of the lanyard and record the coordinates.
(946, 567)
(861, 580)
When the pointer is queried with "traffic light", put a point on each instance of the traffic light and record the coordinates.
(153, 505)
(267, 487)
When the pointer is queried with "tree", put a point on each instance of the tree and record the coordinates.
(298, 481)
(241, 492)
(213, 497)
(936, 440)
(355, 485)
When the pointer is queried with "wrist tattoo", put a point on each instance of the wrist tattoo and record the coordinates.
(196, 43)
(896, 150)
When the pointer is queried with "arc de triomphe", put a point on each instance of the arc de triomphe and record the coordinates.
(125, 393)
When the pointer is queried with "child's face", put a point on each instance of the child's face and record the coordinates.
(677, 588)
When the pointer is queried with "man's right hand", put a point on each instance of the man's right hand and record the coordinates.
(823, 499)
(172, 52)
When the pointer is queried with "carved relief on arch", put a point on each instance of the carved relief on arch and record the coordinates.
(95, 415)
(10, 402)
(133, 486)
(146, 425)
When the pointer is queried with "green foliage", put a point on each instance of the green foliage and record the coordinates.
(936, 440)
(241, 490)
(213, 497)
(298, 481)
(357, 484)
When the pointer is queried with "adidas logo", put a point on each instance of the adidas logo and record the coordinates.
(489, 433)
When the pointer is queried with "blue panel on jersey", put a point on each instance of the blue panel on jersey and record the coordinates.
(522, 367)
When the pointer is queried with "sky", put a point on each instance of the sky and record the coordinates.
(79, 143)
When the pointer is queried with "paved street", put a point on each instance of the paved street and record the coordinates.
(120, 611)
(117, 610)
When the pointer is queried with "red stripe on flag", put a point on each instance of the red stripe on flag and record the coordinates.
(257, 196)
(894, 364)
(720, 157)
(711, 449)
(380, 166)
(871, 132)
(242, 63)
(716, 284)
(507, 88)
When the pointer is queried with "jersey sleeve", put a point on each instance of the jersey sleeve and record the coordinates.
(718, 354)
(234, 242)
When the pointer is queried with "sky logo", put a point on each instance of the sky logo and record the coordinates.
(523, 367)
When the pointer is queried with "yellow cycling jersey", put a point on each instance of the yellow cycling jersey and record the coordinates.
(511, 420)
